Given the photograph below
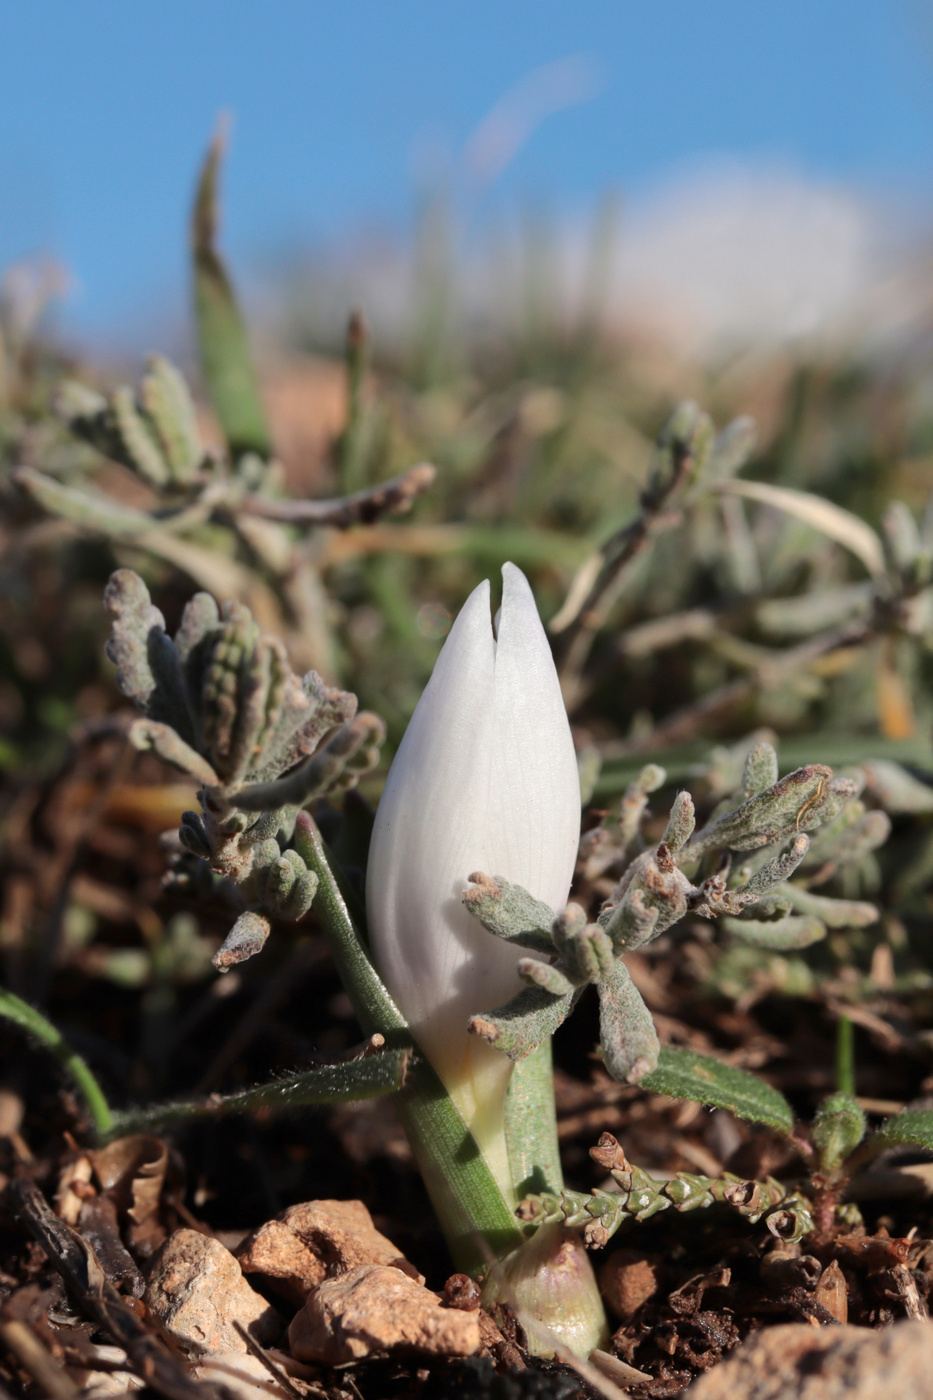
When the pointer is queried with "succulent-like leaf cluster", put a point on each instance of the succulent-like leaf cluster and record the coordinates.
(639, 1196)
(841, 1142)
(688, 872)
(217, 513)
(221, 703)
(579, 953)
(690, 461)
(154, 433)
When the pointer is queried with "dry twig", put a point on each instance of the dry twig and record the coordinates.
(79, 1266)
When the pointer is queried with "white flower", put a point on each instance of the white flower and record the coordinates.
(485, 779)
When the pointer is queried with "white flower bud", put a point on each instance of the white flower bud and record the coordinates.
(485, 779)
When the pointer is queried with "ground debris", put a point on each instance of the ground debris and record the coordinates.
(97, 1223)
(116, 1317)
(690, 1294)
(627, 1280)
(831, 1292)
(372, 1309)
(106, 1375)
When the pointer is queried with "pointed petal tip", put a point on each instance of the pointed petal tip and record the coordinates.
(513, 577)
(519, 611)
(479, 598)
(466, 658)
(473, 619)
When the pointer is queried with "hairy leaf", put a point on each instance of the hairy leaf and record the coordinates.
(365, 1078)
(682, 1074)
(838, 1128)
(914, 1127)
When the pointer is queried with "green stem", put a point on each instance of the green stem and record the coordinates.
(474, 1215)
(374, 1007)
(22, 1014)
(341, 1083)
(477, 1221)
(845, 1056)
(531, 1125)
(352, 445)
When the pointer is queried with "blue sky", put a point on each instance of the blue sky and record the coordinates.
(338, 105)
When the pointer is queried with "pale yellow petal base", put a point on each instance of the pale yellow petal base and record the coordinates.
(478, 1082)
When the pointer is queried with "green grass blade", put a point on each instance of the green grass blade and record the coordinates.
(222, 335)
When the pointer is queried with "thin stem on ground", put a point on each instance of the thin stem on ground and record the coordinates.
(36, 1025)
(365, 1078)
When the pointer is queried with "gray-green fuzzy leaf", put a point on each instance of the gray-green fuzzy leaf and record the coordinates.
(778, 935)
(761, 769)
(896, 789)
(627, 1036)
(834, 913)
(245, 940)
(140, 445)
(777, 870)
(510, 912)
(169, 745)
(680, 823)
(88, 509)
(168, 403)
(148, 669)
(518, 1027)
(794, 803)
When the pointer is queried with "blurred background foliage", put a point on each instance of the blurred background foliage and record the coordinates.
(760, 564)
(542, 434)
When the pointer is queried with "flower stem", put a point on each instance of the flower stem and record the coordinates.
(845, 1056)
(475, 1216)
(531, 1125)
(478, 1222)
(549, 1278)
(31, 1020)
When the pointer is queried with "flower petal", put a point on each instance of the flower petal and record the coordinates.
(533, 820)
(428, 832)
(484, 779)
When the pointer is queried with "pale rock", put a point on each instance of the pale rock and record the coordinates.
(376, 1309)
(800, 1362)
(316, 1240)
(244, 1376)
(101, 1385)
(197, 1291)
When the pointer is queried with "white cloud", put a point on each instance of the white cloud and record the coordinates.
(734, 254)
(719, 257)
